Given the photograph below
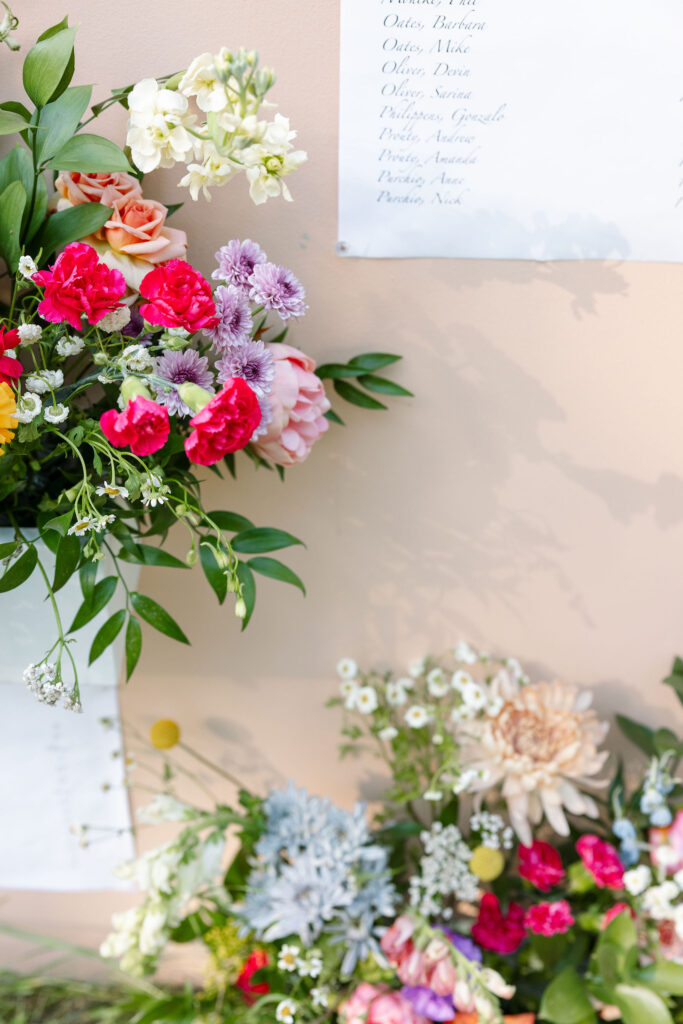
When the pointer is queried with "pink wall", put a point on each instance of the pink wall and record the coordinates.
(530, 498)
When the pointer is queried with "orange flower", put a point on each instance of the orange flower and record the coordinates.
(8, 419)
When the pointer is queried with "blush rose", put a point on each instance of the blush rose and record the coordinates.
(137, 228)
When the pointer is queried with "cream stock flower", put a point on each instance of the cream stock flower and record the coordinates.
(542, 746)
(157, 127)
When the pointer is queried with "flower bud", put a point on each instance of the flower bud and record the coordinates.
(100, 358)
(191, 557)
(240, 609)
(194, 396)
(133, 387)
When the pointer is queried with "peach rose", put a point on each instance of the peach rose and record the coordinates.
(107, 189)
(137, 227)
(299, 404)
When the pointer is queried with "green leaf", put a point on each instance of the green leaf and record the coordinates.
(88, 575)
(566, 1001)
(133, 645)
(230, 521)
(262, 538)
(666, 976)
(17, 166)
(101, 595)
(355, 396)
(276, 571)
(334, 371)
(70, 226)
(7, 549)
(382, 386)
(246, 578)
(157, 617)
(107, 634)
(675, 679)
(59, 120)
(19, 571)
(11, 122)
(638, 734)
(89, 153)
(60, 524)
(14, 107)
(146, 554)
(12, 203)
(216, 576)
(46, 64)
(665, 740)
(370, 361)
(640, 1005)
(68, 557)
(332, 416)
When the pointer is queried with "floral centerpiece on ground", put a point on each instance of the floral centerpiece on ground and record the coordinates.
(123, 370)
(509, 874)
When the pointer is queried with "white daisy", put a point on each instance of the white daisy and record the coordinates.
(347, 668)
(463, 652)
(366, 700)
(349, 690)
(287, 960)
(416, 716)
(396, 694)
(285, 1011)
(460, 680)
(437, 683)
(83, 525)
(388, 733)
(27, 267)
(112, 490)
(417, 667)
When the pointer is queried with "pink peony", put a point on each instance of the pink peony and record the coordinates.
(602, 861)
(614, 911)
(541, 865)
(97, 187)
(225, 424)
(143, 425)
(377, 1004)
(299, 404)
(137, 228)
(549, 918)
(76, 284)
(178, 297)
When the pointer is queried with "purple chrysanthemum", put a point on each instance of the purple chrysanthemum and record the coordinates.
(234, 319)
(266, 417)
(252, 361)
(427, 1004)
(179, 367)
(277, 288)
(463, 944)
(236, 262)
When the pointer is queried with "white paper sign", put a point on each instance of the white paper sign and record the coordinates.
(57, 770)
(492, 128)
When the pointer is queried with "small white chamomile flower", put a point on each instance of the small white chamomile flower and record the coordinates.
(349, 690)
(416, 716)
(463, 652)
(347, 668)
(474, 697)
(396, 694)
(437, 683)
(56, 413)
(366, 700)
(461, 679)
(28, 407)
(285, 1011)
(320, 998)
(83, 525)
(27, 267)
(417, 667)
(112, 490)
(388, 733)
(288, 958)
(406, 682)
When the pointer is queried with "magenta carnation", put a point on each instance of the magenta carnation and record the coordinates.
(78, 284)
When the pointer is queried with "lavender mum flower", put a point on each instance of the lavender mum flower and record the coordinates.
(234, 319)
(236, 262)
(427, 1004)
(252, 361)
(277, 288)
(177, 368)
(266, 417)
(464, 945)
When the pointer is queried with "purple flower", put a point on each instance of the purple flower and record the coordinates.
(464, 945)
(277, 288)
(179, 367)
(234, 323)
(252, 361)
(236, 262)
(427, 1004)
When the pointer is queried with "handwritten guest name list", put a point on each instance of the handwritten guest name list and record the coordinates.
(500, 129)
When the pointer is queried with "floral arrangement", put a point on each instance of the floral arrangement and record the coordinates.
(122, 369)
(508, 875)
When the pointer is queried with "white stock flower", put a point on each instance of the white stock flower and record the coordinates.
(27, 267)
(114, 321)
(267, 162)
(396, 694)
(347, 668)
(29, 333)
(28, 407)
(43, 381)
(495, 983)
(657, 900)
(157, 126)
(667, 857)
(366, 700)
(201, 81)
(70, 346)
(416, 716)
(678, 920)
(56, 413)
(213, 171)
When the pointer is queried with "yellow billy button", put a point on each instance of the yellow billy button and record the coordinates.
(487, 864)
(164, 734)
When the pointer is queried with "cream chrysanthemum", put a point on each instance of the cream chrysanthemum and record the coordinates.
(8, 418)
(541, 747)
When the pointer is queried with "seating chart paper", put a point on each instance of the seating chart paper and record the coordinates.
(507, 130)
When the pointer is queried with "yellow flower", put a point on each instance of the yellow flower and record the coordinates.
(164, 734)
(8, 419)
(486, 863)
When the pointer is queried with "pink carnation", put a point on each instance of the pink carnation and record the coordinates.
(299, 405)
(541, 865)
(549, 918)
(143, 425)
(602, 861)
(225, 424)
(76, 284)
(178, 297)
(377, 1004)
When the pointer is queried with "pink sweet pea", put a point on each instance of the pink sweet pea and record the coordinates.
(442, 977)
(412, 969)
(395, 938)
(299, 405)
(549, 918)
(143, 425)
(376, 1004)
(602, 861)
